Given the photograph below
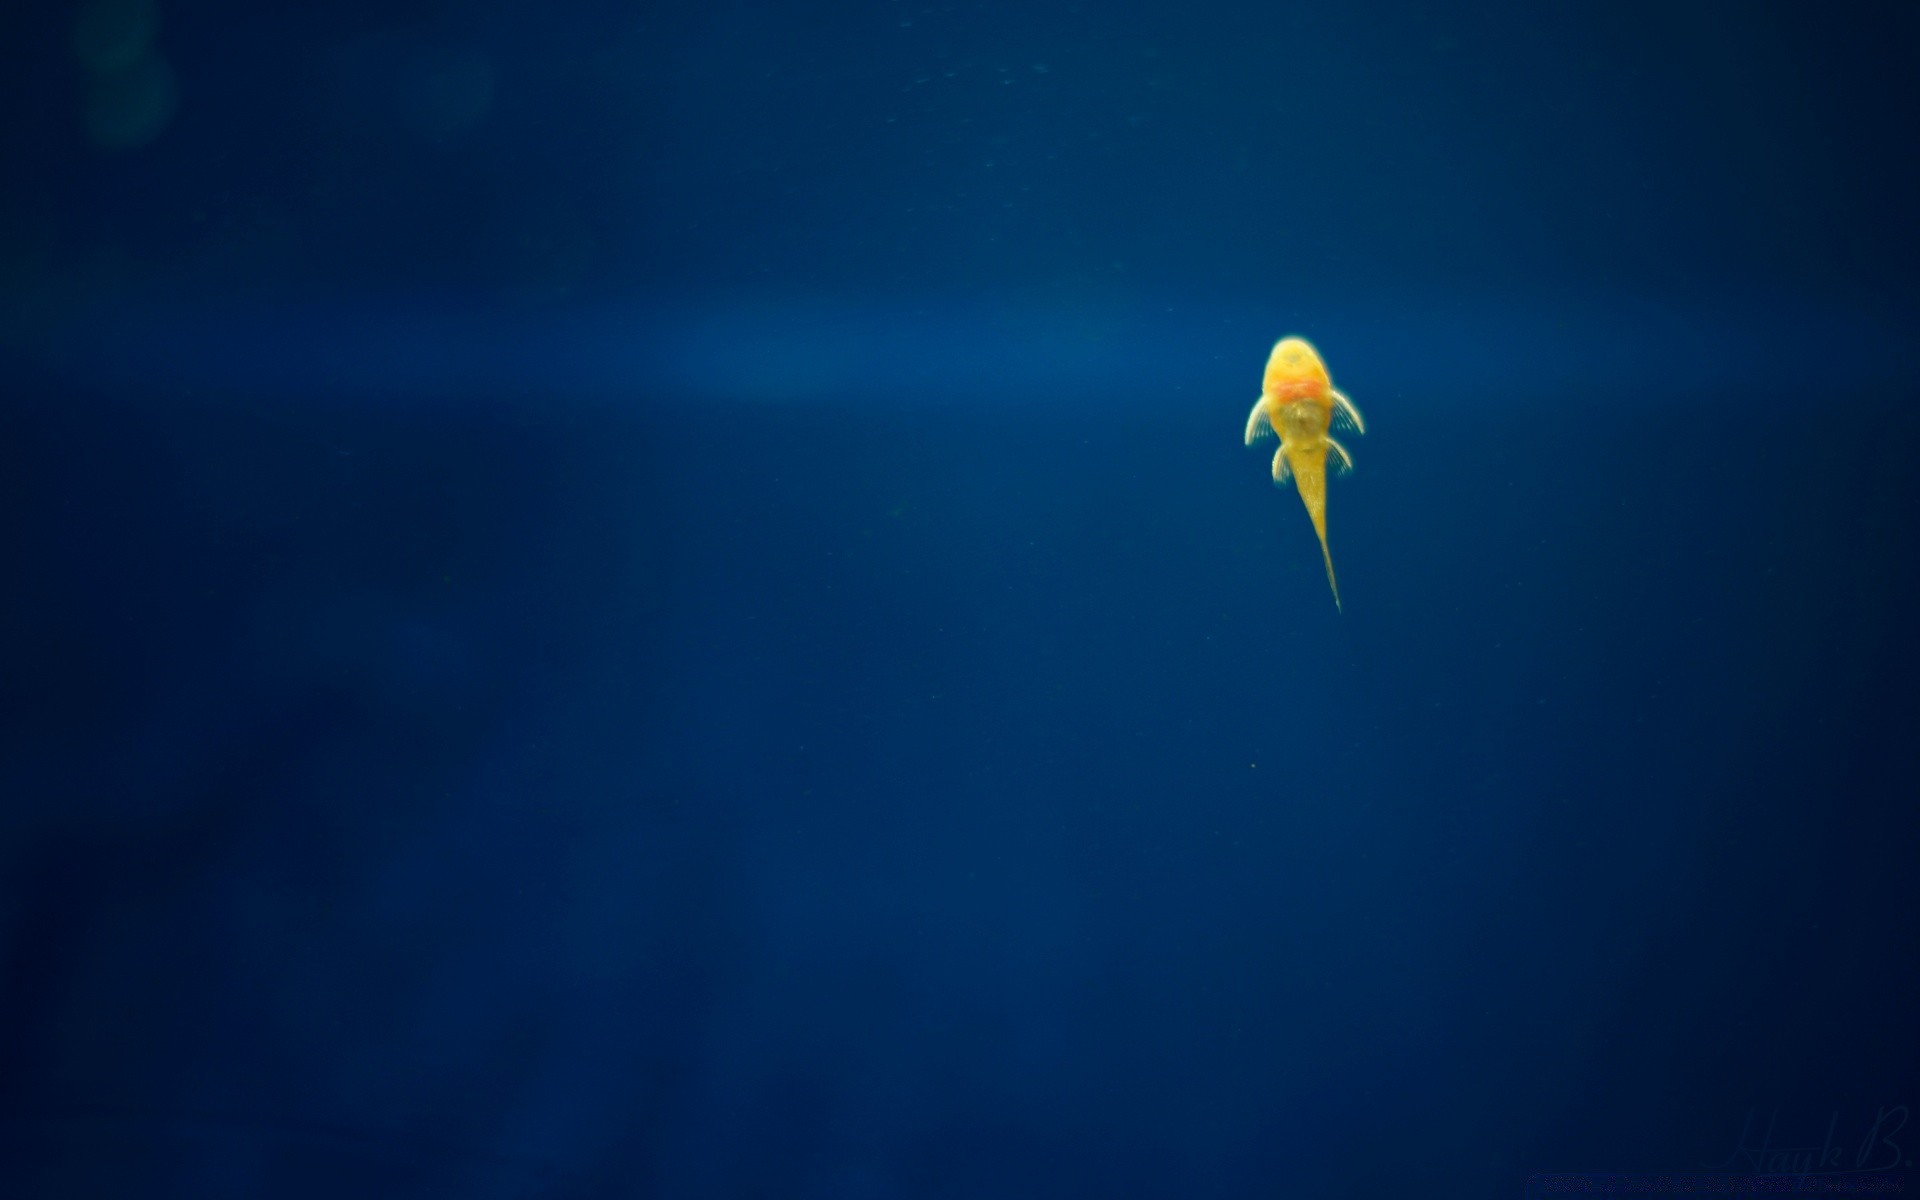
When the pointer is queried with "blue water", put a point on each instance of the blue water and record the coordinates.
(666, 600)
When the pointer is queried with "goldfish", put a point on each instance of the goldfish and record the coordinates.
(1299, 403)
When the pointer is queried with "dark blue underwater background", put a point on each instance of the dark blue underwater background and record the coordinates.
(665, 599)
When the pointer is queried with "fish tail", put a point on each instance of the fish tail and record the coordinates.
(1310, 477)
(1328, 558)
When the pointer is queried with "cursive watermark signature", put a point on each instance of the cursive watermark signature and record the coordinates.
(1866, 1158)
(1875, 1147)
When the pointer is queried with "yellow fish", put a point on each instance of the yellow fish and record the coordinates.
(1298, 402)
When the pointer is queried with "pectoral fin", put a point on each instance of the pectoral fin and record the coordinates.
(1345, 415)
(1259, 425)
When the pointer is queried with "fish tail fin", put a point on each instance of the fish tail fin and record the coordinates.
(1327, 557)
(1310, 478)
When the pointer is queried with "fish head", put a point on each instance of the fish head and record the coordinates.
(1295, 372)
